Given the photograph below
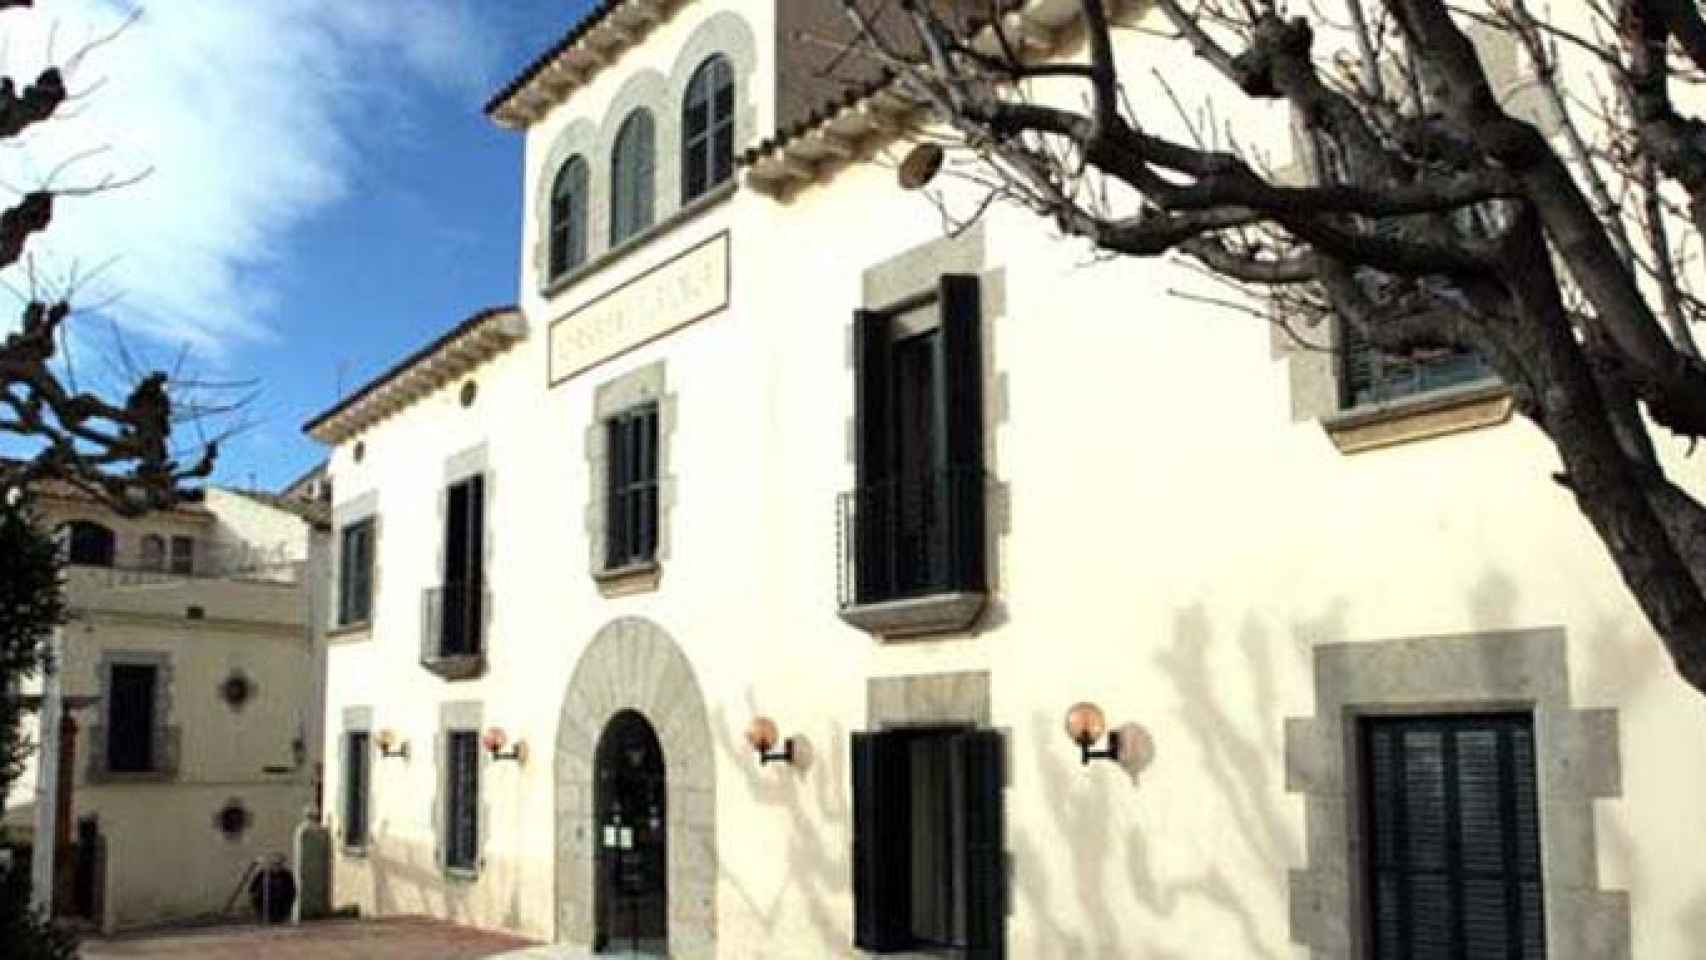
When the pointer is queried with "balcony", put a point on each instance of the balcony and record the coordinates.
(453, 629)
(911, 553)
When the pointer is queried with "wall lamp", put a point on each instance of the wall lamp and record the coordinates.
(391, 746)
(494, 741)
(761, 736)
(1085, 724)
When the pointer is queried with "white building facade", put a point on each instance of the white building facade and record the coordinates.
(759, 440)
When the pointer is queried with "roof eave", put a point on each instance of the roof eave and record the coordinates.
(488, 334)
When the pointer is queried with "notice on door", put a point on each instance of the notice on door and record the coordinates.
(675, 293)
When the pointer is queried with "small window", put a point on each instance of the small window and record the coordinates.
(355, 573)
(631, 175)
(1371, 376)
(91, 544)
(568, 218)
(153, 552)
(357, 756)
(462, 809)
(631, 532)
(183, 555)
(132, 726)
(708, 128)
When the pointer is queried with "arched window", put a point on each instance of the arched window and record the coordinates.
(568, 218)
(91, 544)
(153, 552)
(708, 128)
(631, 177)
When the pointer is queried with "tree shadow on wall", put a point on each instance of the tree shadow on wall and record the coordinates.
(805, 811)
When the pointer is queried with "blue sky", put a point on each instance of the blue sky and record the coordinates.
(322, 192)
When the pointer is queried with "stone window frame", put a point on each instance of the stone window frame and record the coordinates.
(348, 513)
(356, 719)
(1577, 761)
(459, 716)
(169, 746)
(905, 276)
(643, 385)
(460, 466)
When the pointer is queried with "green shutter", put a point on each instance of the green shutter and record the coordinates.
(872, 500)
(985, 867)
(960, 395)
(882, 890)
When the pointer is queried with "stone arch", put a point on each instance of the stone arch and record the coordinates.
(634, 664)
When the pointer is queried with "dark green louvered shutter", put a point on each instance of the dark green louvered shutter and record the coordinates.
(985, 862)
(960, 389)
(882, 888)
(356, 755)
(1455, 852)
(462, 821)
(872, 500)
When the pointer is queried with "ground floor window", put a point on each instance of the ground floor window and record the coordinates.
(928, 866)
(1454, 837)
(462, 809)
(357, 754)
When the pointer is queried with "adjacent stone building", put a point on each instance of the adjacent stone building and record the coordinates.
(759, 448)
(179, 735)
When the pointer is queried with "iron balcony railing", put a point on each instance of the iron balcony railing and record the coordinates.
(911, 537)
(453, 622)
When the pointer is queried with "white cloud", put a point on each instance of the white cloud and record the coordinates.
(251, 116)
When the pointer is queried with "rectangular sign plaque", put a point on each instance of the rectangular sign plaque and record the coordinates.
(686, 288)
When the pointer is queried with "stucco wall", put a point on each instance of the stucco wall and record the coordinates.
(1173, 545)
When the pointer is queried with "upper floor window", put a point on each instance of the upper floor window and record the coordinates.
(355, 573)
(1372, 376)
(917, 517)
(708, 128)
(568, 217)
(90, 544)
(456, 610)
(632, 531)
(631, 169)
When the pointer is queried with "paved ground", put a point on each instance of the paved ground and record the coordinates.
(388, 939)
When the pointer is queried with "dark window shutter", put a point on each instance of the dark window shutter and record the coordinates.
(130, 718)
(474, 606)
(961, 392)
(462, 823)
(881, 843)
(356, 754)
(873, 496)
(985, 863)
(1454, 858)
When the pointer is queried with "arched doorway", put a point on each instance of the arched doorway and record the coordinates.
(631, 824)
(633, 666)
